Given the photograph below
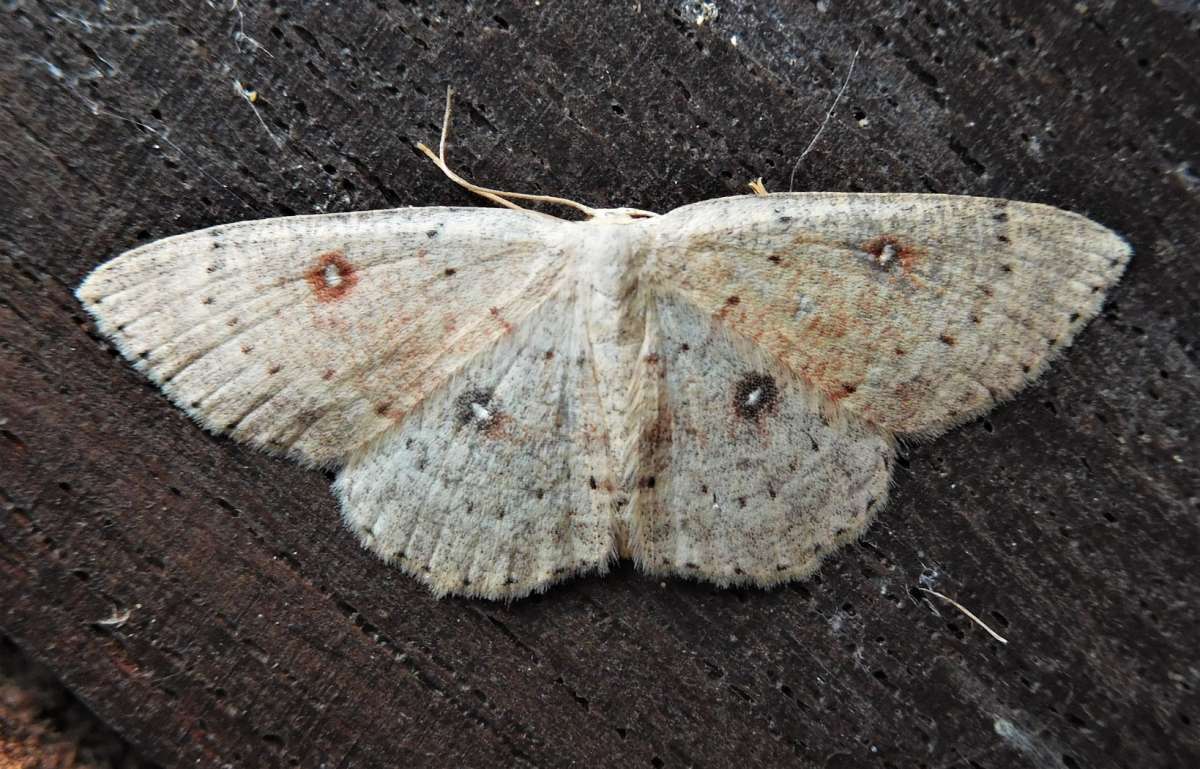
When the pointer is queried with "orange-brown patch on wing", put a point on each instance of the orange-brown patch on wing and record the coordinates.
(498, 426)
(809, 238)
(831, 325)
(842, 392)
(908, 398)
(730, 303)
(655, 440)
(318, 277)
(387, 410)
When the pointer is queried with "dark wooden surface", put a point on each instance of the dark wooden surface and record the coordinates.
(259, 634)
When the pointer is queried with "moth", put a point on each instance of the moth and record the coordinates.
(511, 399)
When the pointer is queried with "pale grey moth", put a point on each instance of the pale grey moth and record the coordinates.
(511, 399)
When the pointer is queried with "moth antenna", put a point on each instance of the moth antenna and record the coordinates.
(496, 196)
(967, 612)
(825, 122)
(445, 123)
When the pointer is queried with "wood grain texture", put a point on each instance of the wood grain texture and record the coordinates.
(260, 634)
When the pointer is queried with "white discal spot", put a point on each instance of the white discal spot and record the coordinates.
(482, 467)
(481, 413)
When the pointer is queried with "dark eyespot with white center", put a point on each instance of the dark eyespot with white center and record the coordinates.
(887, 252)
(754, 395)
(332, 277)
(477, 407)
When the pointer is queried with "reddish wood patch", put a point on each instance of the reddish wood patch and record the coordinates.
(325, 289)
